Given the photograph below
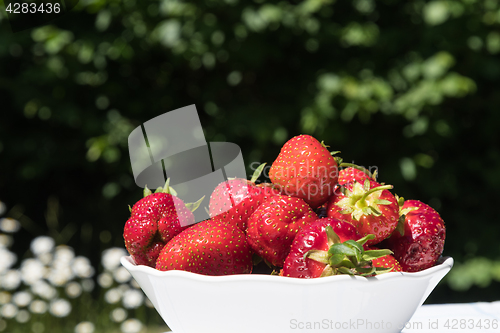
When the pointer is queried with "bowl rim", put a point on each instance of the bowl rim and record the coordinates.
(444, 263)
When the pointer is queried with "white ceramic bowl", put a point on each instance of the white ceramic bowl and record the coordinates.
(193, 303)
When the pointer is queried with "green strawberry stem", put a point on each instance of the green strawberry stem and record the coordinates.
(362, 200)
(348, 257)
(358, 167)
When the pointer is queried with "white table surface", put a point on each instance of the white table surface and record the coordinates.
(481, 317)
(470, 317)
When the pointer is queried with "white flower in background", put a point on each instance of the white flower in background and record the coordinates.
(38, 306)
(9, 310)
(5, 297)
(148, 303)
(6, 240)
(111, 257)
(124, 287)
(32, 270)
(22, 298)
(46, 258)
(60, 275)
(85, 327)
(113, 296)
(41, 245)
(131, 326)
(133, 299)
(105, 280)
(11, 280)
(60, 308)
(10, 225)
(121, 275)
(63, 255)
(88, 285)
(44, 290)
(118, 315)
(3, 208)
(134, 284)
(73, 289)
(23, 316)
(82, 267)
(7, 259)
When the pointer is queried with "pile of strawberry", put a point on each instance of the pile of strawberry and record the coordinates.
(318, 217)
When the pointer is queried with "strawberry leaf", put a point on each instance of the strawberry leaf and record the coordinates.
(401, 225)
(336, 259)
(382, 270)
(168, 189)
(375, 254)
(355, 244)
(366, 270)
(347, 263)
(345, 270)
(192, 206)
(382, 202)
(331, 236)
(257, 172)
(328, 271)
(363, 240)
(317, 255)
(342, 249)
(147, 191)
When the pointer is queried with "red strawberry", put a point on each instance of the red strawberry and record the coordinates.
(387, 261)
(423, 238)
(354, 173)
(370, 207)
(211, 247)
(154, 220)
(273, 226)
(305, 169)
(233, 201)
(314, 237)
(319, 251)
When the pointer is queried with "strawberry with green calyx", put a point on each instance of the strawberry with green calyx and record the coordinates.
(350, 172)
(420, 241)
(211, 247)
(314, 237)
(369, 206)
(154, 220)
(274, 225)
(234, 200)
(306, 169)
(348, 257)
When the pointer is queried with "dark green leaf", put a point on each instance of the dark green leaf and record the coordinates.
(375, 254)
(342, 249)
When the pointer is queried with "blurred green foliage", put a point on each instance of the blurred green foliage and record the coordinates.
(408, 86)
